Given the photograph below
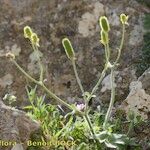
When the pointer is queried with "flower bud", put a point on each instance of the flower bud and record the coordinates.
(35, 39)
(80, 107)
(109, 65)
(104, 37)
(124, 19)
(10, 56)
(104, 24)
(68, 48)
(27, 32)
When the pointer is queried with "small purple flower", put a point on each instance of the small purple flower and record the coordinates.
(80, 107)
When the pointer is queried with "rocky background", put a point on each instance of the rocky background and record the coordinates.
(53, 20)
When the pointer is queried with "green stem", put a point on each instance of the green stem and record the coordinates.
(107, 117)
(107, 56)
(77, 76)
(26, 74)
(86, 112)
(56, 97)
(92, 131)
(99, 81)
(121, 45)
(112, 80)
(90, 125)
(43, 86)
(80, 84)
(68, 125)
(108, 51)
(131, 125)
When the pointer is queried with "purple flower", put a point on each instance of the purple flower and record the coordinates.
(80, 107)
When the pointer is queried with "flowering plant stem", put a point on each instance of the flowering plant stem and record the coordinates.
(55, 97)
(112, 79)
(85, 114)
(121, 44)
(99, 80)
(107, 56)
(112, 98)
(77, 76)
(131, 126)
(51, 94)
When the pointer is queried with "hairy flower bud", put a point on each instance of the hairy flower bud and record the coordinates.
(27, 32)
(68, 48)
(104, 37)
(124, 19)
(35, 39)
(104, 24)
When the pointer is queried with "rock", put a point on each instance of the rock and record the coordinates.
(145, 79)
(138, 100)
(114, 19)
(33, 66)
(15, 126)
(136, 35)
(35, 55)
(106, 83)
(15, 50)
(6, 80)
(122, 81)
(87, 26)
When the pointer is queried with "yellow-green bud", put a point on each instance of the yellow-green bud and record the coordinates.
(104, 37)
(34, 39)
(124, 19)
(27, 32)
(68, 48)
(109, 65)
(104, 24)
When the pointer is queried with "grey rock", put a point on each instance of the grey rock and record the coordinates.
(15, 126)
(138, 99)
(6, 80)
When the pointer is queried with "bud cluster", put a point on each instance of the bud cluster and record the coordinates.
(105, 28)
(29, 34)
(124, 19)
